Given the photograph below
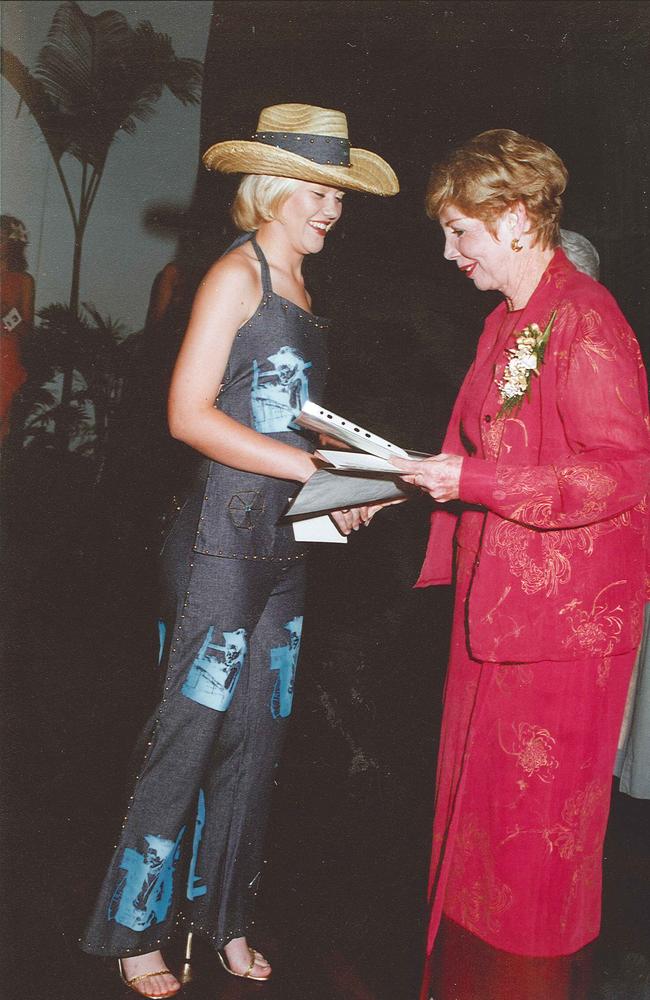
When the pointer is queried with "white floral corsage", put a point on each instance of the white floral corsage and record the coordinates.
(524, 360)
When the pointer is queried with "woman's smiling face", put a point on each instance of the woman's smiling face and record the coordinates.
(309, 213)
(486, 259)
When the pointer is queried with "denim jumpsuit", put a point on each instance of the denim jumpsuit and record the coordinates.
(191, 845)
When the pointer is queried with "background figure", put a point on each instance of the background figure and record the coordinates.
(168, 292)
(16, 312)
(633, 756)
(548, 450)
(145, 468)
(581, 252)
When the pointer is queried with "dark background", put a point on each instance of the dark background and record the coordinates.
(342, 907)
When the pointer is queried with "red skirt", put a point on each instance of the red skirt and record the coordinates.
(522, 799)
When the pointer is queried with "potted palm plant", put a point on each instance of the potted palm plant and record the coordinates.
(95, 78)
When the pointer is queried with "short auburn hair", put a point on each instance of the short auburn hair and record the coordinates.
(259, 198)
(494, 171)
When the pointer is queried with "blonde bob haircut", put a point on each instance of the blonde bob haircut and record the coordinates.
(259, 199)
(492, 173)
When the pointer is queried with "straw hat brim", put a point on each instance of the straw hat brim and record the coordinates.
(367, 171)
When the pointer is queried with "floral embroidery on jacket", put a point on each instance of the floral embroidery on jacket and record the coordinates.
(570, 834)
(542, 561)
(541, 484)
(576, 837)
(592, 343)
(492, 435)
(532, 746)
(595, 631)
(512, 676)
(482, 896)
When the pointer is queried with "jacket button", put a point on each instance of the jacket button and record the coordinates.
(487, 418)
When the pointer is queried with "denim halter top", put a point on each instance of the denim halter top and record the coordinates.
(278, 361)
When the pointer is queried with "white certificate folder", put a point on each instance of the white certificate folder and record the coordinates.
(353, 478)
(317, 418)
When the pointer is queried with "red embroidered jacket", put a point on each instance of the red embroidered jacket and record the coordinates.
(561, 572)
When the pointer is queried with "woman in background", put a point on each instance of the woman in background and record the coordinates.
(548, 452)
(16, 310)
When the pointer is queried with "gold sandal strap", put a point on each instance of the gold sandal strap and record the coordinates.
(148, 975)
(251, 966)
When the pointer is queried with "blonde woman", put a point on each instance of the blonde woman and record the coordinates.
(192, 843)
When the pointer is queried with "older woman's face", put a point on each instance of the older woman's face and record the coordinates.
(488, 261)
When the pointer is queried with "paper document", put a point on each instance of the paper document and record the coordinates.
(317, 418)
(317, 529)
(331, 489)
(356, 478)
(357, 460)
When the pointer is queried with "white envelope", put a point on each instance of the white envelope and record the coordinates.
(317, 529)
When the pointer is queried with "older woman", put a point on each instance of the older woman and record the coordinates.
(191, 845)
(548, 452)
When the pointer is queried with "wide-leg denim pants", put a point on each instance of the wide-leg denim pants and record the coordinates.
(191, 847)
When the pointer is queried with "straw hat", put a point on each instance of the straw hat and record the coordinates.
(308, 143)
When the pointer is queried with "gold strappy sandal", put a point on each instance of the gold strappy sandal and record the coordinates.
(131, 983)
(247, 974)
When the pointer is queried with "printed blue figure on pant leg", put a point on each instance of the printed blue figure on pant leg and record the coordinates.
(144, 892)
(213, 676)
(284, 659)
(195, 884)
(162, 635)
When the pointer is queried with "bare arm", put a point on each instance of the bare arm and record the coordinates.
(162, 293)
(226, 299)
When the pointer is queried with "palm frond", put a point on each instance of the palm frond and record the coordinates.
(104, 76)
(114, 330)
(141, 74)
(183, 77)
(74, 64)
(42, 400)
(60, 318)
(75, 67)
(38, 101)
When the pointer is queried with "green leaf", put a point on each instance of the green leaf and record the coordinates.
(39, 103)
(102, 77)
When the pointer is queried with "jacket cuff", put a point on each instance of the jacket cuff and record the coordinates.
(478, 481)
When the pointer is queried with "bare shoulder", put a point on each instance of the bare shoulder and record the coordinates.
(229, 293)
(236, 276)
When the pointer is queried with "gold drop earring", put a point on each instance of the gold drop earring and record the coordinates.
(516, 245)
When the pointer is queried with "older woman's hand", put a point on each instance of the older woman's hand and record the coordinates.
(439, 475)
(348, 519)
(351, 518)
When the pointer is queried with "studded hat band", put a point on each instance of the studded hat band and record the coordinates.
(324, 149)
(307, 143)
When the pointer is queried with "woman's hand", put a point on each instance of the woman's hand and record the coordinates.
(439, 476)
(351, 518)
(348, 519)
(325, 441)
